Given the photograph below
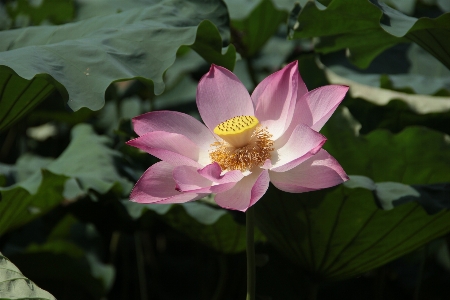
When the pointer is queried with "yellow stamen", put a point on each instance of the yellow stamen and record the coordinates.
(237, 131)
(246, 144)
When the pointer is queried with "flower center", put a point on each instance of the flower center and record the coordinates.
(237, 131)
(245, 144)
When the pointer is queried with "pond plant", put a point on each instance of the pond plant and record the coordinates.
(298, 149)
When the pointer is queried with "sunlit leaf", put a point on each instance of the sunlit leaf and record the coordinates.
(14, 285)
(48, 266)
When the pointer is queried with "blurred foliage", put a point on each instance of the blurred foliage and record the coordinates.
(73, 74)
(340, 233)
(67, 56)
(30, 13)
(408, 161)
(369, 28)
(251, 33)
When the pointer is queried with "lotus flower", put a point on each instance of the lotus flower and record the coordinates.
(248, 141)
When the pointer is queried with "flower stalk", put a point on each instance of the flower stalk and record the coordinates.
(251, 274)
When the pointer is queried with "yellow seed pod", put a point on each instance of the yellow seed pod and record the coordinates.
(237, 131)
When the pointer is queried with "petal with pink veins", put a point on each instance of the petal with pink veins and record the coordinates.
(222, 96)
(246, 192)
(302, 144)
(157, 185)
(173, 148)
(213, 172)
(318, 172)
(302, 89)
(189, 180)
(174, 122)
(316, 107)
(275, 98)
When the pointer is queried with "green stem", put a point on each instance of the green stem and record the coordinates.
(140, 266)
(251, 274)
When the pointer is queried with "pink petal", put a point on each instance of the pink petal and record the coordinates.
(222, 96)
(302, 89)
(319, 172)
(156, 185)
(174, 122)
(316, 107)
(173, 148)
(213, 173)
(246, 192)
(275, 99)
(302, 144)
(189, 180)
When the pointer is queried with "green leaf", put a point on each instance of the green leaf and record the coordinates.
(87, 159)
(369, 28)
(5, 20)
(341, 233)
(432, 197)
(57, 246)
(18, 96)
(406, 69)
(63, 229)
(113, 113)
(394, 116)
(87, 163)
(405, 6)
(250, 34)
(213, 227)
(36, 12)
(383, 156)
(19, 206)
(82, 59)
(13, 285)
(63, 244)
(240, 10)
(224, 235)
(61, 272)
